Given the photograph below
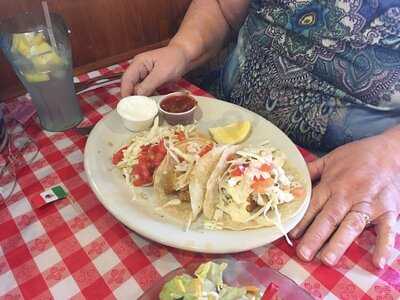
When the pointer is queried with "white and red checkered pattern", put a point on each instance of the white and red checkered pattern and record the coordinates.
(78, 250)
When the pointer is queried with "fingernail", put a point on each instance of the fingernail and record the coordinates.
(381, 263)
(330, 258)
(139, 91)
(305, 252)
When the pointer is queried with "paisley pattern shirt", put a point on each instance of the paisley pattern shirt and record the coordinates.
(310, 65)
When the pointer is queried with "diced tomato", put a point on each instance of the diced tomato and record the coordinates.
(138, 182)
(143, 160)
(271, 292)
(298, 192)
(237, 171)
(150, 157)
(260, 185)
(265, 168)
(154, 148)
(118, 156)
(145, 148)
(142, 171)
(145, 172)
(207, 148)
(157, 148)
(180, 135)
(163, 150)
(135, 170)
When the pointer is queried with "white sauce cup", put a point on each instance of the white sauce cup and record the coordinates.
(137, 112)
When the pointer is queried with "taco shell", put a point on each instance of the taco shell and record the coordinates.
(165, 176)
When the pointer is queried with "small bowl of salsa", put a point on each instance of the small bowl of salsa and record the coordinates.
(178, 108)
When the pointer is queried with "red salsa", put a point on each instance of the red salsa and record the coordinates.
(178, 103)
(150, 157)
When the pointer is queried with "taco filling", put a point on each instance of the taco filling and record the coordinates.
(139, 159)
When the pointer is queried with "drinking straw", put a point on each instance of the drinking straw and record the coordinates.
(49, 24)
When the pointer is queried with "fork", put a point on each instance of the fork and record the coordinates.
(80, 87)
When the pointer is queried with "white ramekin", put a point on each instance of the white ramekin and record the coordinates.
(137, 119)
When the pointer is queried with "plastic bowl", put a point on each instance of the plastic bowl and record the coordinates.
(239, 273)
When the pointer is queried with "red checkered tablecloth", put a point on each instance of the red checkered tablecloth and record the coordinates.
(77, 250)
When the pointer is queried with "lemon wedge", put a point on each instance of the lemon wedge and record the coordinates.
(233, 133)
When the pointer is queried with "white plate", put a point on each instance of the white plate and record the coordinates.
(108, 184)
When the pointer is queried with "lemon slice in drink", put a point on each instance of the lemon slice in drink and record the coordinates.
(233, 133)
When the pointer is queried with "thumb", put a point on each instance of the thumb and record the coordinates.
(316, 168)
(151, 82)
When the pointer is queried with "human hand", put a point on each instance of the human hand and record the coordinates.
(358, 182)
(151, 69)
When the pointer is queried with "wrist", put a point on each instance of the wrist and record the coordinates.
(192, 50)
(184, 51)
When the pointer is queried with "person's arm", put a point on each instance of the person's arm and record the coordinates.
(207, 26)
(203, 32)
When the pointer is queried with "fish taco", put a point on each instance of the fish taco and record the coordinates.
(181, 179)
(252, 187)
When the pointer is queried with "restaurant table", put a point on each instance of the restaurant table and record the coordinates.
(74, 248)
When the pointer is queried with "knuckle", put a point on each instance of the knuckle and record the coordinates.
(137, 60)
(315, 236)
(390, 235)
(341, 192)
(145, 89)
(319, 196)
(314, 207)
(337, 244)
(341, 244)
(355, 222)
(139, 57)
(125, 79)
(332, 217)
(130, 72)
